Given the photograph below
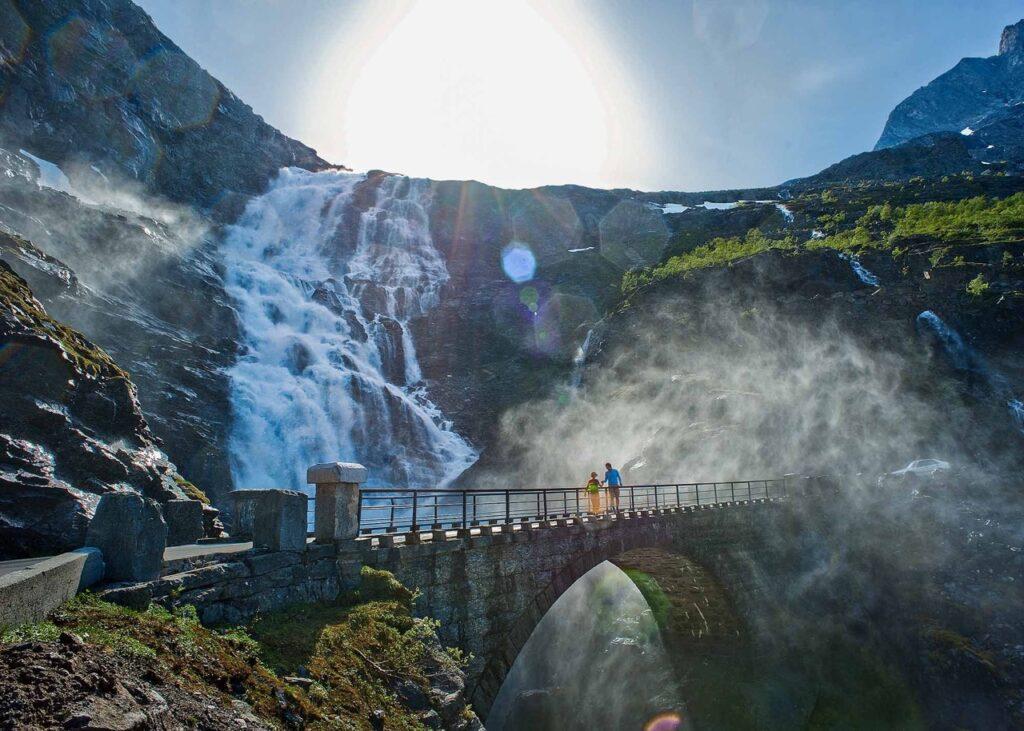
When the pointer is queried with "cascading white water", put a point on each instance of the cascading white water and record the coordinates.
(964, 358)
(860, 270)
(579, 360)
(325, 292)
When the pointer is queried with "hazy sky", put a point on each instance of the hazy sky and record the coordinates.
(656, 95)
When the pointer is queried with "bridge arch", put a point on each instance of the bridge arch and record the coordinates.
(490, 591)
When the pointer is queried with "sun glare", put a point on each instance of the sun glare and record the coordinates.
(497, 91)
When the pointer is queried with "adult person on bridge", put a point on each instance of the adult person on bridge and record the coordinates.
(593, 489)
(613, 480)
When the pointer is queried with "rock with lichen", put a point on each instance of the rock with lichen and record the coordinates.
(71, 430)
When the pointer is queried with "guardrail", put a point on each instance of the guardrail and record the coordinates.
(385, 510)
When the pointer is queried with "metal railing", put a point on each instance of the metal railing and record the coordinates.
(384, 510)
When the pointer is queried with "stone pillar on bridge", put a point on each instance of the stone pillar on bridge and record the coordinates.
(336, 511)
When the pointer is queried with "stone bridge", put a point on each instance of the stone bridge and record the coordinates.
(488, 574)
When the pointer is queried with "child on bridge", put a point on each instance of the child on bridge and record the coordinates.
(594, 493)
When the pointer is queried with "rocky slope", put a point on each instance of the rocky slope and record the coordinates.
(93, 86)
(72, 430)
(141, 278)
(362, 662)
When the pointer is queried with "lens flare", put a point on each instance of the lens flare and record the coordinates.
(664, 722)
(530, 297)
(518, 262)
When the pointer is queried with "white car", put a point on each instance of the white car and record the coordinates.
(919, 469)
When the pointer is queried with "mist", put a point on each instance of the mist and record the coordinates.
(738, 386)
(597, 652)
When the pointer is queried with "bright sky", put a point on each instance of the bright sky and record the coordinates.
(658, 95)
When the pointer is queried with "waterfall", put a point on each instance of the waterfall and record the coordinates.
(959, 354)
(579, 360)
(964, 358)
(860, 270)
(325, 283)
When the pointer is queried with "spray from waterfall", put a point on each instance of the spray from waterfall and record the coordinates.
(326, 286)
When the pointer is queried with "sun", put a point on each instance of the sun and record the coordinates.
(498, 91)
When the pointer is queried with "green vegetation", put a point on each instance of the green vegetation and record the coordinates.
(717, 252)
(978, 287)
(355, 650)
(16, 296)
(972, 219)
(652, 592)
(932, 227)
(190, 489)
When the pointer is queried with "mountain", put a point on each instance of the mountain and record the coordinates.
(973, 93)
(94, 87)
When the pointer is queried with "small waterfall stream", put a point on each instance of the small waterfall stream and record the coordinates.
(963, 357)
(860, 270)
(325, 292)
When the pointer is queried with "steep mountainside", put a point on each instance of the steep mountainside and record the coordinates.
(93, 86)
(972, 93)
(141, 278)
(72, 429)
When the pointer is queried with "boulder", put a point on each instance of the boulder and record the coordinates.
(131, 533)
(184, 520)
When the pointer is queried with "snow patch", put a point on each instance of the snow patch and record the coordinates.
(585, 248)
(967, 131)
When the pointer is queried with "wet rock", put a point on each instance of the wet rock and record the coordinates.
(71, 430)
(412, 696)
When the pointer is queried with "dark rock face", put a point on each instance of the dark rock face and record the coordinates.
(71, 430)
(147, 288)
(94, 82)
(971, 93)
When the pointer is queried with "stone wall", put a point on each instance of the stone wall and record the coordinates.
(232, 589)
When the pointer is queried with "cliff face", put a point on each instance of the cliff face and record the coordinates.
(93, 85)
(140, 277)
(72, 429)
(970, 94)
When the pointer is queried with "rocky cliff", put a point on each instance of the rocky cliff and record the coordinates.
(72, 430)
(93, 86)
(972, 93)
(141, 278)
